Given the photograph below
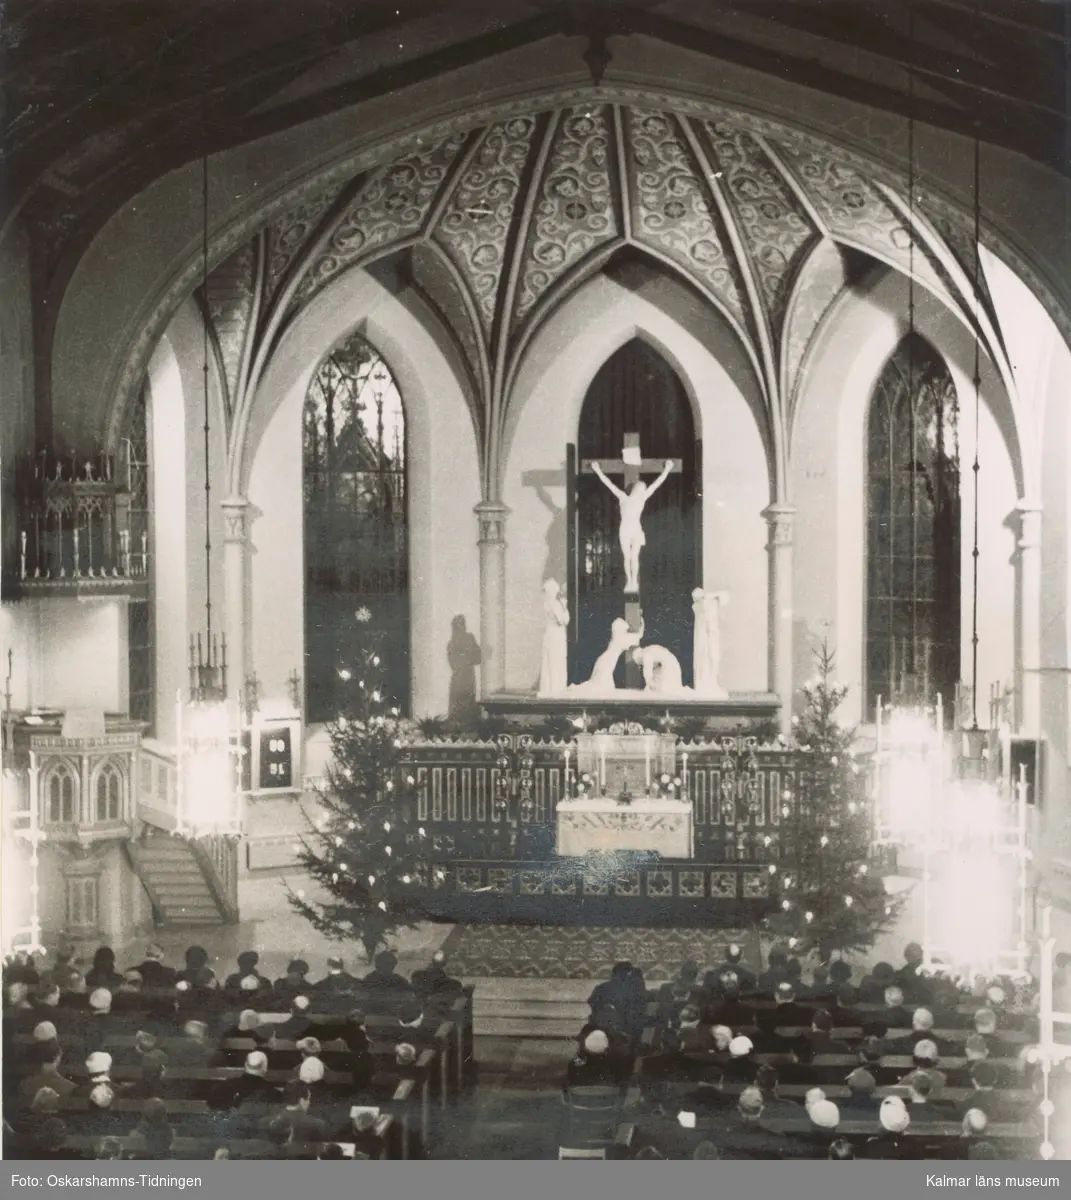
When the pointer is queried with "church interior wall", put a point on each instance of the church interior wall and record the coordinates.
(827, 484)
(546, 402)
(443, 485)
(157, 234)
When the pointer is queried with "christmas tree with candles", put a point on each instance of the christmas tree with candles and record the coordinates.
(831, 894)
(365, 851)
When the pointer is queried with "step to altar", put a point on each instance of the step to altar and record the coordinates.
(530, 1008)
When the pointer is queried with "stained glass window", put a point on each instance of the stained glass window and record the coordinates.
(356, 523)
(913, 531)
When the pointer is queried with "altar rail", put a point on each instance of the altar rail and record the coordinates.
(484, 800)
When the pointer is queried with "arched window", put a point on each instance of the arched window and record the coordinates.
(60, 793)
(356, 526)
(109, 793)
(913, 530)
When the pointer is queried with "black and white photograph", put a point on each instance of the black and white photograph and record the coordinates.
(536, 584)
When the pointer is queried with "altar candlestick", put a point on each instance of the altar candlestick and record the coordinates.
(602, 770)
(684, 773)
(565, 786)
(647, 766)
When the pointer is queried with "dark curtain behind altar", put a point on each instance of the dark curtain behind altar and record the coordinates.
(636, 390)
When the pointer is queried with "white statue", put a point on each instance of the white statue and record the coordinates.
(601, 682)
(661, 670)
(553, 673)
(631, 534)
(706, 646)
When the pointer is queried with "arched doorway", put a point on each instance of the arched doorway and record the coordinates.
(356, 526)
(636, 391)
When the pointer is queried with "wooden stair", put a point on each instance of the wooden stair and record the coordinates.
(180, 880)
(530, 1008)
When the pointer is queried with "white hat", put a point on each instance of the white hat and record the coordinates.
(102, 1096)
(100, 1000)
(926, 1049)
(300, 1002)
(98, 1063)
(825, 1114)
(740, 1046)
(596, 1042)
(975, 1121)
(893, 1115)
(249, 983)
(311, 1070)
(814, 1096)
(44, 1031)
(256, 1063)
(922, 1020)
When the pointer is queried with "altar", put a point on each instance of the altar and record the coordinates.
(599, 823)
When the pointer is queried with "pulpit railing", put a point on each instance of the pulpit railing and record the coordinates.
(484, 800)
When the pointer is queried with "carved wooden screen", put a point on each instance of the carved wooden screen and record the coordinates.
(913, 528)
(636, 390)
(356, 526)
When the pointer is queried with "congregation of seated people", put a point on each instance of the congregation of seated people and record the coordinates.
(906, 1063)
(158, 1061)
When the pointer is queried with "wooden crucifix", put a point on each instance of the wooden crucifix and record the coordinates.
(632, 501)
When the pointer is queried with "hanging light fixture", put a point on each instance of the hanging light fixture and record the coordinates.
(208, 656)
(209, 796)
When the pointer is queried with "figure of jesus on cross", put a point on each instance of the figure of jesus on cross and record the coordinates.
(633, 500)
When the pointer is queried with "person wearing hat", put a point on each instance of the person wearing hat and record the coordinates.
(247, 979)
(725, 1005)
(101, 1118)
(250, 1028)
(593, 1066)
(896, 1015)
(298, 1023)
(196, 957)
(891, 1143)
(251, 1087)
(921, 1031)
(825, 1117)
(741, 1066)
(293, 983)
(155, 976)
(48, 1056)
(151, 1081)
(684, 989)
(775, 970)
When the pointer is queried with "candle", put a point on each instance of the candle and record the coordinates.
(565, 784)
(684, 773)
(647, 766)
(602, 768)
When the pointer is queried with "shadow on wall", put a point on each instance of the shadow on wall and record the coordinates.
(464, 655)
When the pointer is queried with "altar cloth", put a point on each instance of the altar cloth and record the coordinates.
(593, 823)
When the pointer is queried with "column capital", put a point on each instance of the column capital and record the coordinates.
(1029, 523)
(780, 518)
(235, 514)
(491, 515)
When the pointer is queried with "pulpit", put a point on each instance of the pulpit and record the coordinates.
(631, 796)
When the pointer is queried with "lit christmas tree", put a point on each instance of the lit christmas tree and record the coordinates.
(366, 850)
(832, 897)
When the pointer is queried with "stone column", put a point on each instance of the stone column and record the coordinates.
(1028, 651)
(491, 515)
(780, 517)
(235, 569)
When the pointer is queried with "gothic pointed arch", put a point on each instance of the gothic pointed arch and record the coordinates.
(913, 530)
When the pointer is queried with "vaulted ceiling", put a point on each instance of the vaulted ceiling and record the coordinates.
(494, 224)
(102, 96)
